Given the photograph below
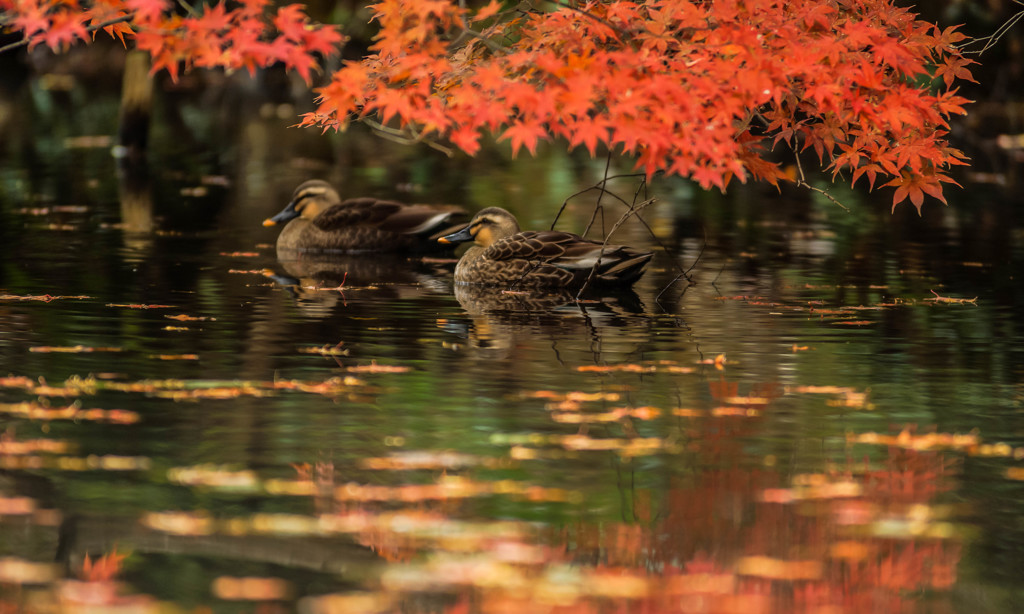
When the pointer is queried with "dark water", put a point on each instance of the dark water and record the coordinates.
(828, 420)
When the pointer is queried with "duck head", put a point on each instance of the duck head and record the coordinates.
(307, 202)
(486, 227)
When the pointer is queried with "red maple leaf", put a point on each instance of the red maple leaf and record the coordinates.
(524, 134)
(65, 27)
(147, 11)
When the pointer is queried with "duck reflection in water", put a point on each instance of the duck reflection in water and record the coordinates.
(319, 221)
(610, 321)
(318, 283)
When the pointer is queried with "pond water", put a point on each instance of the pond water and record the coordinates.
(828, 419)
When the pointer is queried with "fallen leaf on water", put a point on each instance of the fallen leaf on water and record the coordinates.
(327, 350)
(576, 397)
(737, 400)
(33, 446)
(734, 412)
(240, 254)
(35, 411)
(373, 367)
(54, 209)
(616, 368)
(231, 588)
(178, 523)
(216, 477)
(175, 356)
(138, 306)
(718, 361)
(230, 392)
(46, 298)
(928, 441)
(685, 412)
(427, 460)
(946, 299)
(75, 349)
(187, 318)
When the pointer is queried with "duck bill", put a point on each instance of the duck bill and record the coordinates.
(288, 213)
(457, 237)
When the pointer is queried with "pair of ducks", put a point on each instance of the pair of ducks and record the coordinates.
(502, 255)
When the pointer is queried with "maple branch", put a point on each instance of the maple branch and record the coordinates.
(802, 182)
(491, 44)
(91, 28)
(992, 39)
(405, 138)
(188, 8)
(600, 20)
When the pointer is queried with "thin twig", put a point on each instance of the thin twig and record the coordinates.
(802, 182)
(597, 186)
(493, 45)
(188, 8)
(685, 274)
(604, 190)
(633, 210)
(992, 39)
(404, 137)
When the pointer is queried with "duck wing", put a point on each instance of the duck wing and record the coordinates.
(615, 264)
(422, 219)
(385, 215)
(547, 245)
(356, 212)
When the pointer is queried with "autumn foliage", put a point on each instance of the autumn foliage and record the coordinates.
(249, 35)
(712, 90)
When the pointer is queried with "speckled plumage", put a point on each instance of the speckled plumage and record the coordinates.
(504, 256)
(319, 221)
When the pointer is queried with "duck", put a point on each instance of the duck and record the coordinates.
(319, 221)
(503, 255)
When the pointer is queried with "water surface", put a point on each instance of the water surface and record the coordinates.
(826, 419)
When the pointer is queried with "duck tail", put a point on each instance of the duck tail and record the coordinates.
(624, 266)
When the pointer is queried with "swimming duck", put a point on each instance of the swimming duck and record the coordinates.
(505, 256)
(318, 221)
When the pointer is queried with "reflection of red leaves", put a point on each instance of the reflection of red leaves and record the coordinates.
(103, 569)
(138, 306)
(373, 367)
(188, 318)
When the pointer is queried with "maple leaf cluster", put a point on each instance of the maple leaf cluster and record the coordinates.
(704, 89)
(701, 89)
(250, 35)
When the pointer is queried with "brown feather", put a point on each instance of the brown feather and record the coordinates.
(326, 223)
(504, 256)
